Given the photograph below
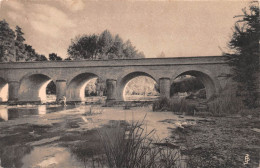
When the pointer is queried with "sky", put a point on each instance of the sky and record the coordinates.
(177, 28)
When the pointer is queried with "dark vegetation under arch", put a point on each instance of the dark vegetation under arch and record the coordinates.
(190, 84)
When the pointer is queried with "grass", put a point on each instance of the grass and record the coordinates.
(226, 103)
(131, 146)
(174, 105)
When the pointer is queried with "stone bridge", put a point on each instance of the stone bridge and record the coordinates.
(27, 81)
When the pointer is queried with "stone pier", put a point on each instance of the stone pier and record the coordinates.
(13, 91)
(165, 86)
(60, 89)
(111, 90)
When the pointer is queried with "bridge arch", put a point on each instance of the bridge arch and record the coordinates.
(76, 86)
(71, 76)
(122, 82)
(36, 72)
(33, 87)
(205, 77)
(3, 90)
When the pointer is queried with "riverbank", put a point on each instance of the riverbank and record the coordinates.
(221, 142)
(41, 137)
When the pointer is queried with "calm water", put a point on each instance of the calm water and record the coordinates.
(24, 155)
(11, 113)
(34, 143)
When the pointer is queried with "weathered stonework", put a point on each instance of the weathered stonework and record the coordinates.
(27, 79)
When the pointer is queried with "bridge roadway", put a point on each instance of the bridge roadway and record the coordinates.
(27, 81)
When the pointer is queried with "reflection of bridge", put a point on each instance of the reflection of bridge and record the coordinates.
(27, 81)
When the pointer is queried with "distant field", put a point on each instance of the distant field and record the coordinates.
(52, 98)
(140, 98)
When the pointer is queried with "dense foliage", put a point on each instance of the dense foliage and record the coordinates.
(12, 46)
(54, 57)
(189, 84)
(103, 46)
(244, 55)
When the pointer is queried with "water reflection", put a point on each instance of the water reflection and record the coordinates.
(12, 156)
(13, 113)
(50, 156)
(3, 114)
(24, 156)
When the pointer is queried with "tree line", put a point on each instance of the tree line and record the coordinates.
(13, 47)
(88, 47)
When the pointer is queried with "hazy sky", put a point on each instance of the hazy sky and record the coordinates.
(178, 28)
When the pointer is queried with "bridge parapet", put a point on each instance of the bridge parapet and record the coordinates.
(116, 62)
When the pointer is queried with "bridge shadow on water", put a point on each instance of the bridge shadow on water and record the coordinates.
(11, 113)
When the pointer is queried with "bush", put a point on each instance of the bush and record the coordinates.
(201, 94)
(250, 112)
(225, 103)
(163, 104)
(174, 105)
(190, 84)
(182, 105)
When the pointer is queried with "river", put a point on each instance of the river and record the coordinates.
(50, 135)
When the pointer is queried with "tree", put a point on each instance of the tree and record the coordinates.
(162, 55)
(129, 50)
(54, 57)
(19, 45)
(140, 55)
(31, 55)
(84, 47)
(13, 48)
(68, 59)
(103, 46)
(244, 56)
(105, 42)
(41, 58)
(116, 50)
(7, 43)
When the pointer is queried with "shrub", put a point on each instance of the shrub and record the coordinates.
(174, 105)
(181, 105)
(190, 84)
(201, 93)
(163, 104)
(225, 103)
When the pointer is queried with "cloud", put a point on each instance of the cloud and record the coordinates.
(50, 20)
(14, 16)
(74, 5)
(43, 18)
(15, 5)
(50, 16)
(46, 29)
